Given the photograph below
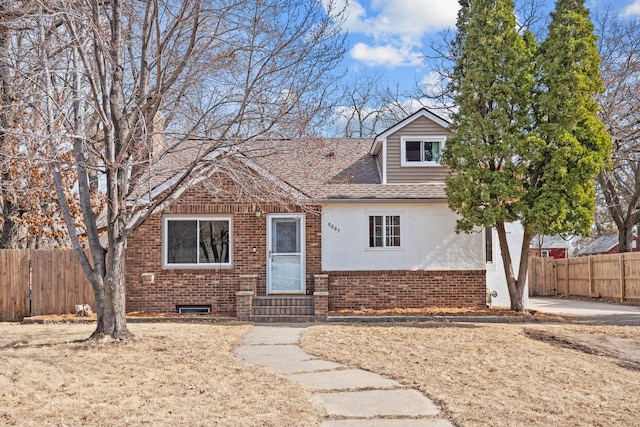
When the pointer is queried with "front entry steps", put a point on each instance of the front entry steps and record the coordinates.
(282, 308)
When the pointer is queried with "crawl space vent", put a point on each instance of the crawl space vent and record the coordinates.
(194, 309)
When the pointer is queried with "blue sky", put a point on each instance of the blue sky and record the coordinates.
(390, 36)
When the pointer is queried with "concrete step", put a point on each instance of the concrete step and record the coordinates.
(282, 308)
(282, 319)
(283, 300)
(281, 311)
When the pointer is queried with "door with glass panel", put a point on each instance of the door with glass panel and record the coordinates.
(285, 257)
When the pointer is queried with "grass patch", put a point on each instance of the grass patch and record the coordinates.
(170, 374)
(496, 374)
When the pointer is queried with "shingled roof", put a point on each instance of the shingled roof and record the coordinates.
(600, 245)
(318, 168)
(338, 169)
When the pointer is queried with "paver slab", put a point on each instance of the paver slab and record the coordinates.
(303, 366)
(346, 379)
(268, 354)
(374, 403)
(273, 335)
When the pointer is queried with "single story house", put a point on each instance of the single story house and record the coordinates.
(369, 228)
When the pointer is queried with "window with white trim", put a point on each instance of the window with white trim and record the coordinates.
(197, 242)
(384, 231)
(421, 150)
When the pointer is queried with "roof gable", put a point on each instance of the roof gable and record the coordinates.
(423, 112)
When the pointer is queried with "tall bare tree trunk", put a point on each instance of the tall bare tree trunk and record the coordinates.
(515, 285)
(8, 207)
(9, 238)
(625, 238)
(110, 298)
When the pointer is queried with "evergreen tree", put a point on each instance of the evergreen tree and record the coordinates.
(528, 143)
(572, 142)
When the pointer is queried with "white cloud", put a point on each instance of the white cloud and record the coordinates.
(393, 29)
(386, 55)
(633, 9)
(400, 17)
(430, 79)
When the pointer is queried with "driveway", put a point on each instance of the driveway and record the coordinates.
(589, 312)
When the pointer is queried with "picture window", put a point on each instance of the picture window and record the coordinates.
(197, 242)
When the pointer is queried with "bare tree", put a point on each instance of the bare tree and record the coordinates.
(362, 106)
(619, 47)
(369, 105)
(132, 85)
(28, 215)
(8, 206)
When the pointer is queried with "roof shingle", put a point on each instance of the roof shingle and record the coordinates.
(339, 169)
(319, 168)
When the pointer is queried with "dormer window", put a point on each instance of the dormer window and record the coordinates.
(422, 150)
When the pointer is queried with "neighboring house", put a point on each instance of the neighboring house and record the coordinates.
(550, 246)
(606, 245)
(367, 227)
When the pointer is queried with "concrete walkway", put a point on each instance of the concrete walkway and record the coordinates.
(350, 397)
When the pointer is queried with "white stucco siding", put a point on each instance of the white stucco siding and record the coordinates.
(496, 278)
(428, 239)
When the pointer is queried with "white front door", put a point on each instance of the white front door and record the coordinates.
(285, 257)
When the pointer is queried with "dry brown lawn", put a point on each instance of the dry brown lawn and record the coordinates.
(501, 375)
(185, 374)
(170, 375)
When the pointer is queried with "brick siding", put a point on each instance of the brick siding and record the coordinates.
(210, 286)
(406, 289)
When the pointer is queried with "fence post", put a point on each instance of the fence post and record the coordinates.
(590, 263)
(567, 291)
(532, 277)
(622, 281)
(544, 273)
(566, 274)
(554, 269)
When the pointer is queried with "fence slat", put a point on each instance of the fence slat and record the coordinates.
(58, 283)
(56, 280)
(621, 277)
(615, 276)
(14, 285)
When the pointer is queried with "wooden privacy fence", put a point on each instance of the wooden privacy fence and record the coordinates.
(39, 282)
(614, 276)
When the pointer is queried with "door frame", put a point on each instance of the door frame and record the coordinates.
(303, 259)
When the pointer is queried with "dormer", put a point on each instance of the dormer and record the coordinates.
(410, 151)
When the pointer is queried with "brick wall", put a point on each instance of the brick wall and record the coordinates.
(211, 286)
(406, 289)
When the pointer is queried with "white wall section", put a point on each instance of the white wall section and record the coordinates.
(429, 240)
(496, 278)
